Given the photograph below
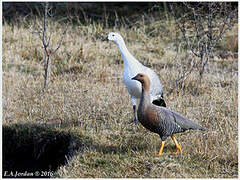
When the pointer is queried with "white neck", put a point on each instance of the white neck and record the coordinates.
(128, 58)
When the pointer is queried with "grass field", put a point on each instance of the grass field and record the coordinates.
(86, 110)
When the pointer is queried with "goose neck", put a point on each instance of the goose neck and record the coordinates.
(126, 55)
(145, 97)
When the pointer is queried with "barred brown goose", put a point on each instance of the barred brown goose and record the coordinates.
(161, 120)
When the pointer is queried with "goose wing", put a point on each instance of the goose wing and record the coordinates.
(177, 121)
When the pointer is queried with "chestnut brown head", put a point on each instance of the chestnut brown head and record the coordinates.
(143, 79)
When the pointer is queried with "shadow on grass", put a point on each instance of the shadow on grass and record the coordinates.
(35, 151)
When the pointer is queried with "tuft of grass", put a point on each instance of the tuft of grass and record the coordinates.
(87, 100)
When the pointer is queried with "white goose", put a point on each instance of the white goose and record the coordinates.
(131, 68)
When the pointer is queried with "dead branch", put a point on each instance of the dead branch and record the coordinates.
(45, 32)
(203, 25)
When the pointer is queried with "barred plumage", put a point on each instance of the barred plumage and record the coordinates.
(161, 120)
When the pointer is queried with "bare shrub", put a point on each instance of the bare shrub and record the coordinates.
(45, 34)
(203, 26)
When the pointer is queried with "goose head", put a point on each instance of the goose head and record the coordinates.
(113, 36)
(144, 80)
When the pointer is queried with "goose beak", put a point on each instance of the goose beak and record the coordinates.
(135, 78)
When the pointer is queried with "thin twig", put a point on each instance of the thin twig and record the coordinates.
(61, 39)
(203, 36)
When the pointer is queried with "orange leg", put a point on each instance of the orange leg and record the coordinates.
(161, 148)
(179, 148)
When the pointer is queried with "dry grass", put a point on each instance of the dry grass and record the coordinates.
(87, 96)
